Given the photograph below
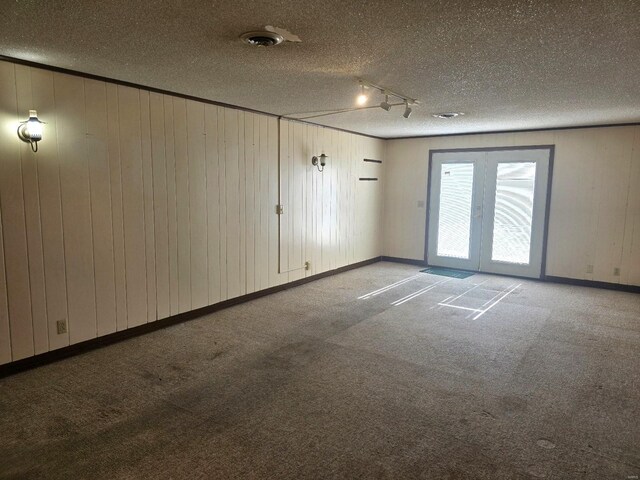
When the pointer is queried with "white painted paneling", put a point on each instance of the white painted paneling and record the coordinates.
(13, 219)
(42, 93)
(149, 217)
(133, 204)
(172, 204)
(141, 205)
(32, 220)
(265, 262)
(249, 202)
(594, 199)
(182, 204)
(160, 205)
(232, 204)
(197, 204)
(76, 207)
(97, 142)
(117, 207)
(5, 333)
(212, 149)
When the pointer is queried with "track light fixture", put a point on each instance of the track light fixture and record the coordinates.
(363, 97)
(385, 105)
(407, 110)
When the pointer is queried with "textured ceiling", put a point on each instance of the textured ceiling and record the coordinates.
(506, 64)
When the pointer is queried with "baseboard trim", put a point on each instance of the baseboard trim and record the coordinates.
(409, 261)
(547, 278)
(593, 284)
(95, 343)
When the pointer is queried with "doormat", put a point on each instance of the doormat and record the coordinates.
(447, 272)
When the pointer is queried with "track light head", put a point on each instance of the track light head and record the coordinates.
(385, 105)
(407, 110)
(363, 97)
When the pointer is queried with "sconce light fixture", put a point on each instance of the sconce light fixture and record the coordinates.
(318, 162)
(30, 131)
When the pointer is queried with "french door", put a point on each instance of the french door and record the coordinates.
(487, 210)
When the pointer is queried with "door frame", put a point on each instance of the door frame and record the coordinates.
(545, 233)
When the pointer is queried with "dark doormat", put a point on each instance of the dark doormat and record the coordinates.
(447, 272)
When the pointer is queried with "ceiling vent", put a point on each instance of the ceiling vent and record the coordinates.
(447, 115)
(262, 39)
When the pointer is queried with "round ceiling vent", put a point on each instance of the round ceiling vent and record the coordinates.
(262, 39)
(447, 115)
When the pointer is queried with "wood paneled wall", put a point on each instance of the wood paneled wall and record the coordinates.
(595, 198)
(139, 206)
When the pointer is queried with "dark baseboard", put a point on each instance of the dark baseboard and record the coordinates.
(86, 346)
(593, 284)
(409, 261)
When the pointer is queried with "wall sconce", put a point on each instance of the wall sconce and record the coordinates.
(318, 162)
(30, 131)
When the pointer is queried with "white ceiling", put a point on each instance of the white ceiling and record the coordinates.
(507, 64)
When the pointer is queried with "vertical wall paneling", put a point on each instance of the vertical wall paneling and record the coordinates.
(197, 204)
(257, 214)
(272, 155)
(222, 196)
(13, 218)
(149, 218)
(76, 207)
(182, 202)
(317, 205)
(308, 201)
(160, 204)
(232, 202)
(5, 333)
(249, 202)
(42, 95)
(28, 161)
(265, 211)
(296, 261)
(117, 207)
(242, 269)
(140, 205)
(284, 183)
(213, 201)
(133, 204)
(172, 204)
(97, 151)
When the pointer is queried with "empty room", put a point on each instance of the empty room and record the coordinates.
(320, 240)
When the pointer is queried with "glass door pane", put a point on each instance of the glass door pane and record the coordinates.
(513, 215)
(456, 196)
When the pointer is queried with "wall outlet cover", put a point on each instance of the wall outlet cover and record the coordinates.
(61, 326)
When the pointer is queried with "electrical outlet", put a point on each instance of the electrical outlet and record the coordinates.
(616, 271)
(61, 326)
(307, 265)
(589, 268)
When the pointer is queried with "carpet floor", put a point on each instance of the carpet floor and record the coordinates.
(435, 378)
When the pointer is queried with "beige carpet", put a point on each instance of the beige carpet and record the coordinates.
(314, 383)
